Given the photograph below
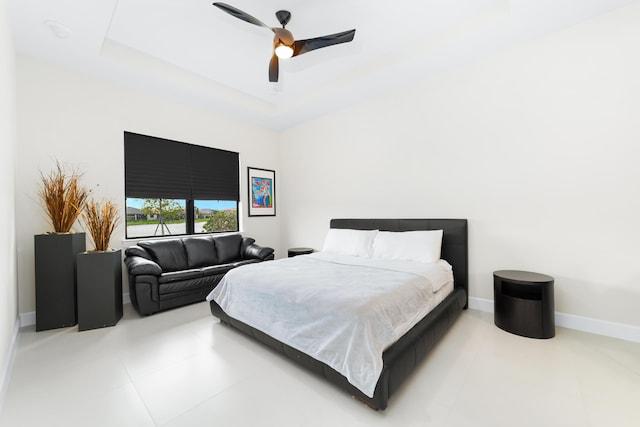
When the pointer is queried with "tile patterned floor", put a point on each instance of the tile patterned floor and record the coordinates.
(182, 368)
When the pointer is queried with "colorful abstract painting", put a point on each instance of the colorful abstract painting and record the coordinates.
(262, 192)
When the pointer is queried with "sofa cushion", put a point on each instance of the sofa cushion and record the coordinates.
(244, 262)
(201, 251)
(216, 269)
(174, 276)
(169, 254)
(228, 247)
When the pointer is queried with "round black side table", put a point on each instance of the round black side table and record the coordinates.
(524, 303)
(299, 251)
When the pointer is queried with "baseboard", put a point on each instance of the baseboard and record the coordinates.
(580, 323)
(29, 318)
(571, 321)
(481, 304)
(600, 327)
(5, 374)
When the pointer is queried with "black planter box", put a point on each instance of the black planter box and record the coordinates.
(99, 289)
(55, 263)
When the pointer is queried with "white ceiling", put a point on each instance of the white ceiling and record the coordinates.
(193, 52)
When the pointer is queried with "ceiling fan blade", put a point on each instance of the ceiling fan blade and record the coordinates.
(304, 46)
(241, 15)
(273, 68)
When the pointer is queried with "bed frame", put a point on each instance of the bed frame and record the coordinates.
(404, 356)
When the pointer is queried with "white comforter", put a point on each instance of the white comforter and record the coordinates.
(343, 311)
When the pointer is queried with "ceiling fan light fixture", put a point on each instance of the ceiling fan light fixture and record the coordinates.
(283, 51)
(284, 44)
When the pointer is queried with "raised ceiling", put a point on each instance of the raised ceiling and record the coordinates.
(193, 52)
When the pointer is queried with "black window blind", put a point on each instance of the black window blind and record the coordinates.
(165, 169)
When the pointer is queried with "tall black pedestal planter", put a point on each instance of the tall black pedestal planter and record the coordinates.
(55, 262)
(99, 289)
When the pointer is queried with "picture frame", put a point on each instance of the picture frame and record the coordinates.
(262, 192)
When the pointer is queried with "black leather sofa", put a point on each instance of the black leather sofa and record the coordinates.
(170, 273)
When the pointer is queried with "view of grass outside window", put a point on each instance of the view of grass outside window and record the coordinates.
(166, 217)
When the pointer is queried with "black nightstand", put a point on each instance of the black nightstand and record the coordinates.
(299, 251)
(523, 303)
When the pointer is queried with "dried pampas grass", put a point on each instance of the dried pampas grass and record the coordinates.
(63, 197)
(101, 220)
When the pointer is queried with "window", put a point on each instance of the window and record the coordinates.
(174, 188)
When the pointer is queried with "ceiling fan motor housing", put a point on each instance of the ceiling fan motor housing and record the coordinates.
(283, 36)
(283, 17)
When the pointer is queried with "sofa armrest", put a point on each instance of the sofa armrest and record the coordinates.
(137, 265)
(254, 251)
(144, 293)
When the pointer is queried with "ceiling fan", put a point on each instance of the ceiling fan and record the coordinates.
(284, 45)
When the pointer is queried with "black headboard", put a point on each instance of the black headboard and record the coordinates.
(454, 239)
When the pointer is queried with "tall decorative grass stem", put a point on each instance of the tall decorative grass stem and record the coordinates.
(63, 197)
(101, 220)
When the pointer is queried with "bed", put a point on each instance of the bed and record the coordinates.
(398, 359)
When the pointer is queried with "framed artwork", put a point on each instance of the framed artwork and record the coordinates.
(262, 192)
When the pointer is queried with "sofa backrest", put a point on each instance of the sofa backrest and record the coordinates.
(191, 252)
(168, 254)
(228, 247)
(201, 251)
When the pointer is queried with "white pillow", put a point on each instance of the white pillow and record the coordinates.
(422, 246)
(350, 242)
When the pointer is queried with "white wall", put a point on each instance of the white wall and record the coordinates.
(538, 147)
(80, 120)
(8, 277)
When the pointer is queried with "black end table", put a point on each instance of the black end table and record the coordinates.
(299, 251)
(523, 303)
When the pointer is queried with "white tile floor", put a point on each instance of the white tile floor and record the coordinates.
(182, 368)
